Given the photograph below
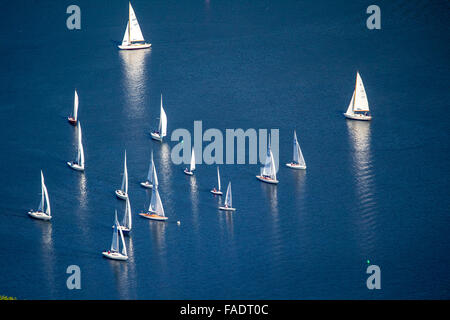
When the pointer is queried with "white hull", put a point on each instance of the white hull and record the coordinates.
(114, 255)
(189, 173)
(75, 166)
(227, 209)
(39, 215)
(147, 185)
(267, 180)
(357, 117)
(152, 216)
(135, 46)
(295, 166)
(217, 192)
(121, 195)
(156, 136)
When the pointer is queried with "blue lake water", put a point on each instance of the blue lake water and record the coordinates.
(373, 191)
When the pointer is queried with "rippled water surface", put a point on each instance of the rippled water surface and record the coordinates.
(373, 191)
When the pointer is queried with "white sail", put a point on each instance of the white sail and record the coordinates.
(154, 176)
(135, 33)
(127, 217)
(268, 169)
(162, 128)
(360, 102)
(47, 201)
(218, 178)
(124, 186)
(150, 170)
(115, 238)
(41, 204)
(228, 197)
(75, 106)
(80, 155)
(156, 203)
(126, 36)
(350, 106)
(272, 166)
(192, 166)
(124, 247)
(298, 155)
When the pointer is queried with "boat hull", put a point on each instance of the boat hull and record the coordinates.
(227, 209)
(72, 121)
(39, 215)
(156, 136)
(295, 166)
(147, 185)
(114, 256)
(121, 195)
(358, 117)
(219, 193)
(266, 180)
(152, 216)
(135, 46)
(189, 173)
(75, 166)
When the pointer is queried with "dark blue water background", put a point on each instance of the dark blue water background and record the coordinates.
(373, 191)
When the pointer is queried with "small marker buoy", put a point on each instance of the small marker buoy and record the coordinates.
(178, 222)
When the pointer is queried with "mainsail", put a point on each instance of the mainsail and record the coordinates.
(135, 31)
(47, 201)
(80, 155)
(154, 176)
(41, 204)
(228, 197)
(150, 172)
(127, 217)
(75, 106)
(218, 177)
(156, 203)
(124, 248)
(115, 238)
(298, 156)
(268, 169)
(360, 102)
(192, 166)
(162, 128)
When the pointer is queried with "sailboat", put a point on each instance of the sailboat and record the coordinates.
(149, 183)
(133, 38)
(122, 193)
(299, 161)
(126, 222)
(79, 163)
(268, 172)
(113, 252)
(217, 191)
(73, 119)
(358, 109)
(156, 209)
(190, 172)
(40, 213)
(228, 200)
(162, 127)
